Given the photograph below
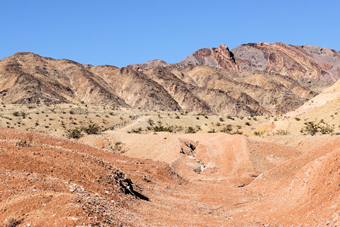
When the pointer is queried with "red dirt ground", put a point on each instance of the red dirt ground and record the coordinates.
(200, 180)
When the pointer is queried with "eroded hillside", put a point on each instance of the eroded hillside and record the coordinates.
(197, 179)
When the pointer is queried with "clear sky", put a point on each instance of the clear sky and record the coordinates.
(135, 31)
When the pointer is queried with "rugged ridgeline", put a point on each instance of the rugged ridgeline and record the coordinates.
(297, 62)
(252, 79)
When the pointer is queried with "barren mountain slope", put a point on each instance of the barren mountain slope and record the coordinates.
(30, 78)
(135, 88)
(295, 61)
(298, 62)
(229, 93)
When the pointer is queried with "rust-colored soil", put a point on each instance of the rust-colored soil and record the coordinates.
(193, 180)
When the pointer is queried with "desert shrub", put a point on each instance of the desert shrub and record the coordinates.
(247, 123)
(17, 114)
(227, 129)
(118, 146)
(151, 122)
(297, 119)
(22, 143)
(312, 128)
(326, 128)
(161, 128)
(281, 133)
(259, 133)
(212, 131)
(230, 117)
(136, 130)
(221, 119)
(238, 132)
(190, 130)
(91, 129)
(74, 133)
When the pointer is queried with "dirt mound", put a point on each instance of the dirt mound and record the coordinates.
(303, 190)
(49, 180)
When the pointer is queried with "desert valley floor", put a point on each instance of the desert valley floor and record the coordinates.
(242, 137)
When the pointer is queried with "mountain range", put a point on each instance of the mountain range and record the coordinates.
(252, 79)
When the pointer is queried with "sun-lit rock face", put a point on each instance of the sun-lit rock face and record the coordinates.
(295, 61)
(220, 57)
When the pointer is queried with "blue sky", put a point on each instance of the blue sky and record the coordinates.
(126, 32)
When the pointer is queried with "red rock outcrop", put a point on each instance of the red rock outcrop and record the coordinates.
(295, 61)
(220, 57)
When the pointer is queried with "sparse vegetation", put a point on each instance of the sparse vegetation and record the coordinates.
(227, 129)
(190, 130)
(312, 128)
(91, 129)
(259, 133)
(74, 133)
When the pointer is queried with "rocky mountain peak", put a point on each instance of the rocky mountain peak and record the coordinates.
(220, 57)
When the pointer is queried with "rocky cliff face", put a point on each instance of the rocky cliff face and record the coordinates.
(220, 57)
